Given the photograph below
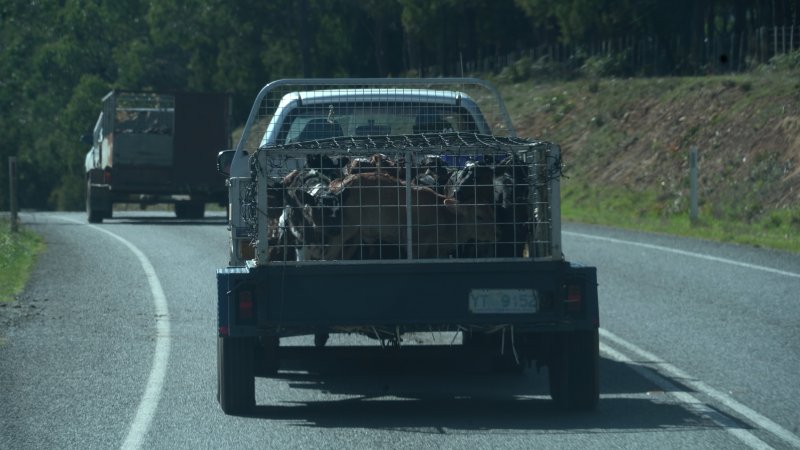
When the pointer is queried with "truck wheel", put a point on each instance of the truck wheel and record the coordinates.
(320, 339)
(573, 370)
(190, 210)
(92, 215)
(235, 377)
(266, 356)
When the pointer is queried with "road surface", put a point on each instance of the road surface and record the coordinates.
(113, 345)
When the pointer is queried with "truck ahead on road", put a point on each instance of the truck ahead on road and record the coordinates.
(392, 210)
(149, 148)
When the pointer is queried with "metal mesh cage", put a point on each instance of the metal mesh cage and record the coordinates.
(143, 113)
(390, 170)
(452, 196)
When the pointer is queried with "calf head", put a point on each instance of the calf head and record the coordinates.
(474, 183)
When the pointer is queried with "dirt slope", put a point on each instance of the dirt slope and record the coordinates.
(635, 134)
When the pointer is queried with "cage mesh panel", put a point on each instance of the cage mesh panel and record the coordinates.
(144, 113)
(383, 197)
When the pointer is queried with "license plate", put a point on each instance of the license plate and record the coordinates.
(503, 301)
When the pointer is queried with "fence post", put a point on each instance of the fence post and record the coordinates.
(730, 55)
(742, 56)
(693, 184)
(12, 183)
(774, 40)
(783, 39)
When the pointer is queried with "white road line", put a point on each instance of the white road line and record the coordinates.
(689, 401)
(155, 382)
(668, 370)
(684, 253)
(672, 371)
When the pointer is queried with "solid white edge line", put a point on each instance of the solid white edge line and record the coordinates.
(673, 371)
(668, 370)
(155, 382)
(693, 404)
(684, 253)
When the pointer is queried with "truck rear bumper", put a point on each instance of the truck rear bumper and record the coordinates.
(287, 300)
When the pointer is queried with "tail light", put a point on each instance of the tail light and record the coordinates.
(245, 307)
(574, 298)
(107, 176)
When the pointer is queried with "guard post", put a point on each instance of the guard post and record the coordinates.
(693, 184)
(12, 192)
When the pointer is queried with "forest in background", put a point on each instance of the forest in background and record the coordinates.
(58, 58)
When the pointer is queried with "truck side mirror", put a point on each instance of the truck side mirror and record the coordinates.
(224, 160)
(87, 139)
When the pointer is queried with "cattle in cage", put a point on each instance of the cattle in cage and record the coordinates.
(374, 211)
(309, 216)
(512, 197)
(505, 186)
(432, 172)
(309, 219)
(378, 162)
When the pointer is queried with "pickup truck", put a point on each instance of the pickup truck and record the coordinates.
(386, 208)
(150, 147)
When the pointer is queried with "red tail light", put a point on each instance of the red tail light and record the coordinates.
(574, 298)
(107, 176)
(246, 306)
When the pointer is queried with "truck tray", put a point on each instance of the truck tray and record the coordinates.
(401, 297)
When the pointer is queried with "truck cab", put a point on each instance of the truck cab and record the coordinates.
(94, 157)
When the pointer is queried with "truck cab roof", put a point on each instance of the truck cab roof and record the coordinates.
(358, 112)
(288, 111)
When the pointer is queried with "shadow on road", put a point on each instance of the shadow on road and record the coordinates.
(437, 399)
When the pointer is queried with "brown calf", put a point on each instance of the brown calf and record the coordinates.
(374, 213)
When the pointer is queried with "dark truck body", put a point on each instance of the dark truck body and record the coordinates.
(414, 296)
(151, 148)
(514, 300)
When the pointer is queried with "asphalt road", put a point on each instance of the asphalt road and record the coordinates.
(113, 345)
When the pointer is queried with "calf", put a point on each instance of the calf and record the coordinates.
(475, 184)
(432, 173)
(374, 211)
(504, 185)
(377, 163)
(514, 204)
(309, 215)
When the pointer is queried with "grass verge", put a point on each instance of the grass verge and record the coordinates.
(18, 252)
(625, 144)
(644, 211)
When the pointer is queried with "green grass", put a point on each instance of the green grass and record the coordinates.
(644, 211)
(18, 252)
(594, 118)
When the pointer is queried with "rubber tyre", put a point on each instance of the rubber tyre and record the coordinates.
(190, 210)
(92, 215)
(573, 370)
(236, 390)
(266, 356)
